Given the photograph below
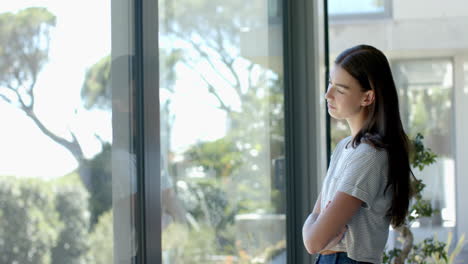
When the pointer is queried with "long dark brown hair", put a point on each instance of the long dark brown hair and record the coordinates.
(383, 127)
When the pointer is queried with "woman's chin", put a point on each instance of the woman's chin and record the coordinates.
(333, 114)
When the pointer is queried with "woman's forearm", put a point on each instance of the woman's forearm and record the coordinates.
(312, 246)
(311, 242)
(306, 228)
(306, 231)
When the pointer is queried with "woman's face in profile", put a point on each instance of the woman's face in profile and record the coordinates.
(344, 94)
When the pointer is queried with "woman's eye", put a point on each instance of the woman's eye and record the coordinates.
(330, 85)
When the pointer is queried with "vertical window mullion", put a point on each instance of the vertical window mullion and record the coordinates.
(148, 141)
(302, 125)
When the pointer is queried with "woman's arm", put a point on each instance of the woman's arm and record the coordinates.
(312, 218)
(318, 204)
(323, 229)
(316, 211)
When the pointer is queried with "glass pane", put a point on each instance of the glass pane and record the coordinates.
(222, 139)
(57, 186)
(465, 79)
(346, 7)
(426, 92)
(121, 89)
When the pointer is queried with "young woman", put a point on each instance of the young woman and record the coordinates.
(367, 186)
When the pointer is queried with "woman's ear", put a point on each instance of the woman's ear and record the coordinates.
(368, 98)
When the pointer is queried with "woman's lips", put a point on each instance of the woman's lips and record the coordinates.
(330, 106)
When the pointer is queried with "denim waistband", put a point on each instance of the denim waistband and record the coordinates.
(337, 258)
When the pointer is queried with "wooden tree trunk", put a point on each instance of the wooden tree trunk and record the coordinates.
(408, 240)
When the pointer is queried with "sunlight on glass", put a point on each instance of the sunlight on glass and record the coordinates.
(222, 129)
(55, 174)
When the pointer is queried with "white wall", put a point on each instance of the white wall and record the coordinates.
(423, 9)
(433, 35)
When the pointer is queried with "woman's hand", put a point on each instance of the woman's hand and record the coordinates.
(336, 239)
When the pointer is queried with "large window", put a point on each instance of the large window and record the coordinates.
(222, 139)
(63, 169)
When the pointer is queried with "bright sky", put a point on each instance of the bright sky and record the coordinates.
(80, 38)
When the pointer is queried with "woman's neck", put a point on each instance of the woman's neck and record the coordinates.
(357, 122)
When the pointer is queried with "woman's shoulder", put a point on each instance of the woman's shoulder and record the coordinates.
(345, 142)
(364, 148)
(339, 148)
(368, 151)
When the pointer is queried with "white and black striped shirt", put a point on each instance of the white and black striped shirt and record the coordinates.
(362, 173)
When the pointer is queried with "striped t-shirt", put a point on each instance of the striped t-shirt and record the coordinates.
(362, 173)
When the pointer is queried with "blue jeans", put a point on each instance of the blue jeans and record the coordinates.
(337, 258)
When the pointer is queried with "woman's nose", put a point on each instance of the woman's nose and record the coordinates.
(328, 94)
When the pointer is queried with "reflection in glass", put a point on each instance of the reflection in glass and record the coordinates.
(122, 90)
(222, 139)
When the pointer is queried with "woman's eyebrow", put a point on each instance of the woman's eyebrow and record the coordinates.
(342, 85)
(339, 84)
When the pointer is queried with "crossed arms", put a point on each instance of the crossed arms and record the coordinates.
(324, 229)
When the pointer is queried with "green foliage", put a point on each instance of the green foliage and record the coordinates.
(100, 168)
(220, 155)
(24, 48)
(101, 240)
(183, 245)
(421, 156)
(429, 109)
(426, 249)
(250, 198)
(238, 162)
(72, 246)
(378, 3)
(72, 179)
(96, 91)
(421, 208)
(239, 156)
(389, 256)
(272, 251)
(207, 202)
(43, 222)
(430, 250)
(29, 223)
